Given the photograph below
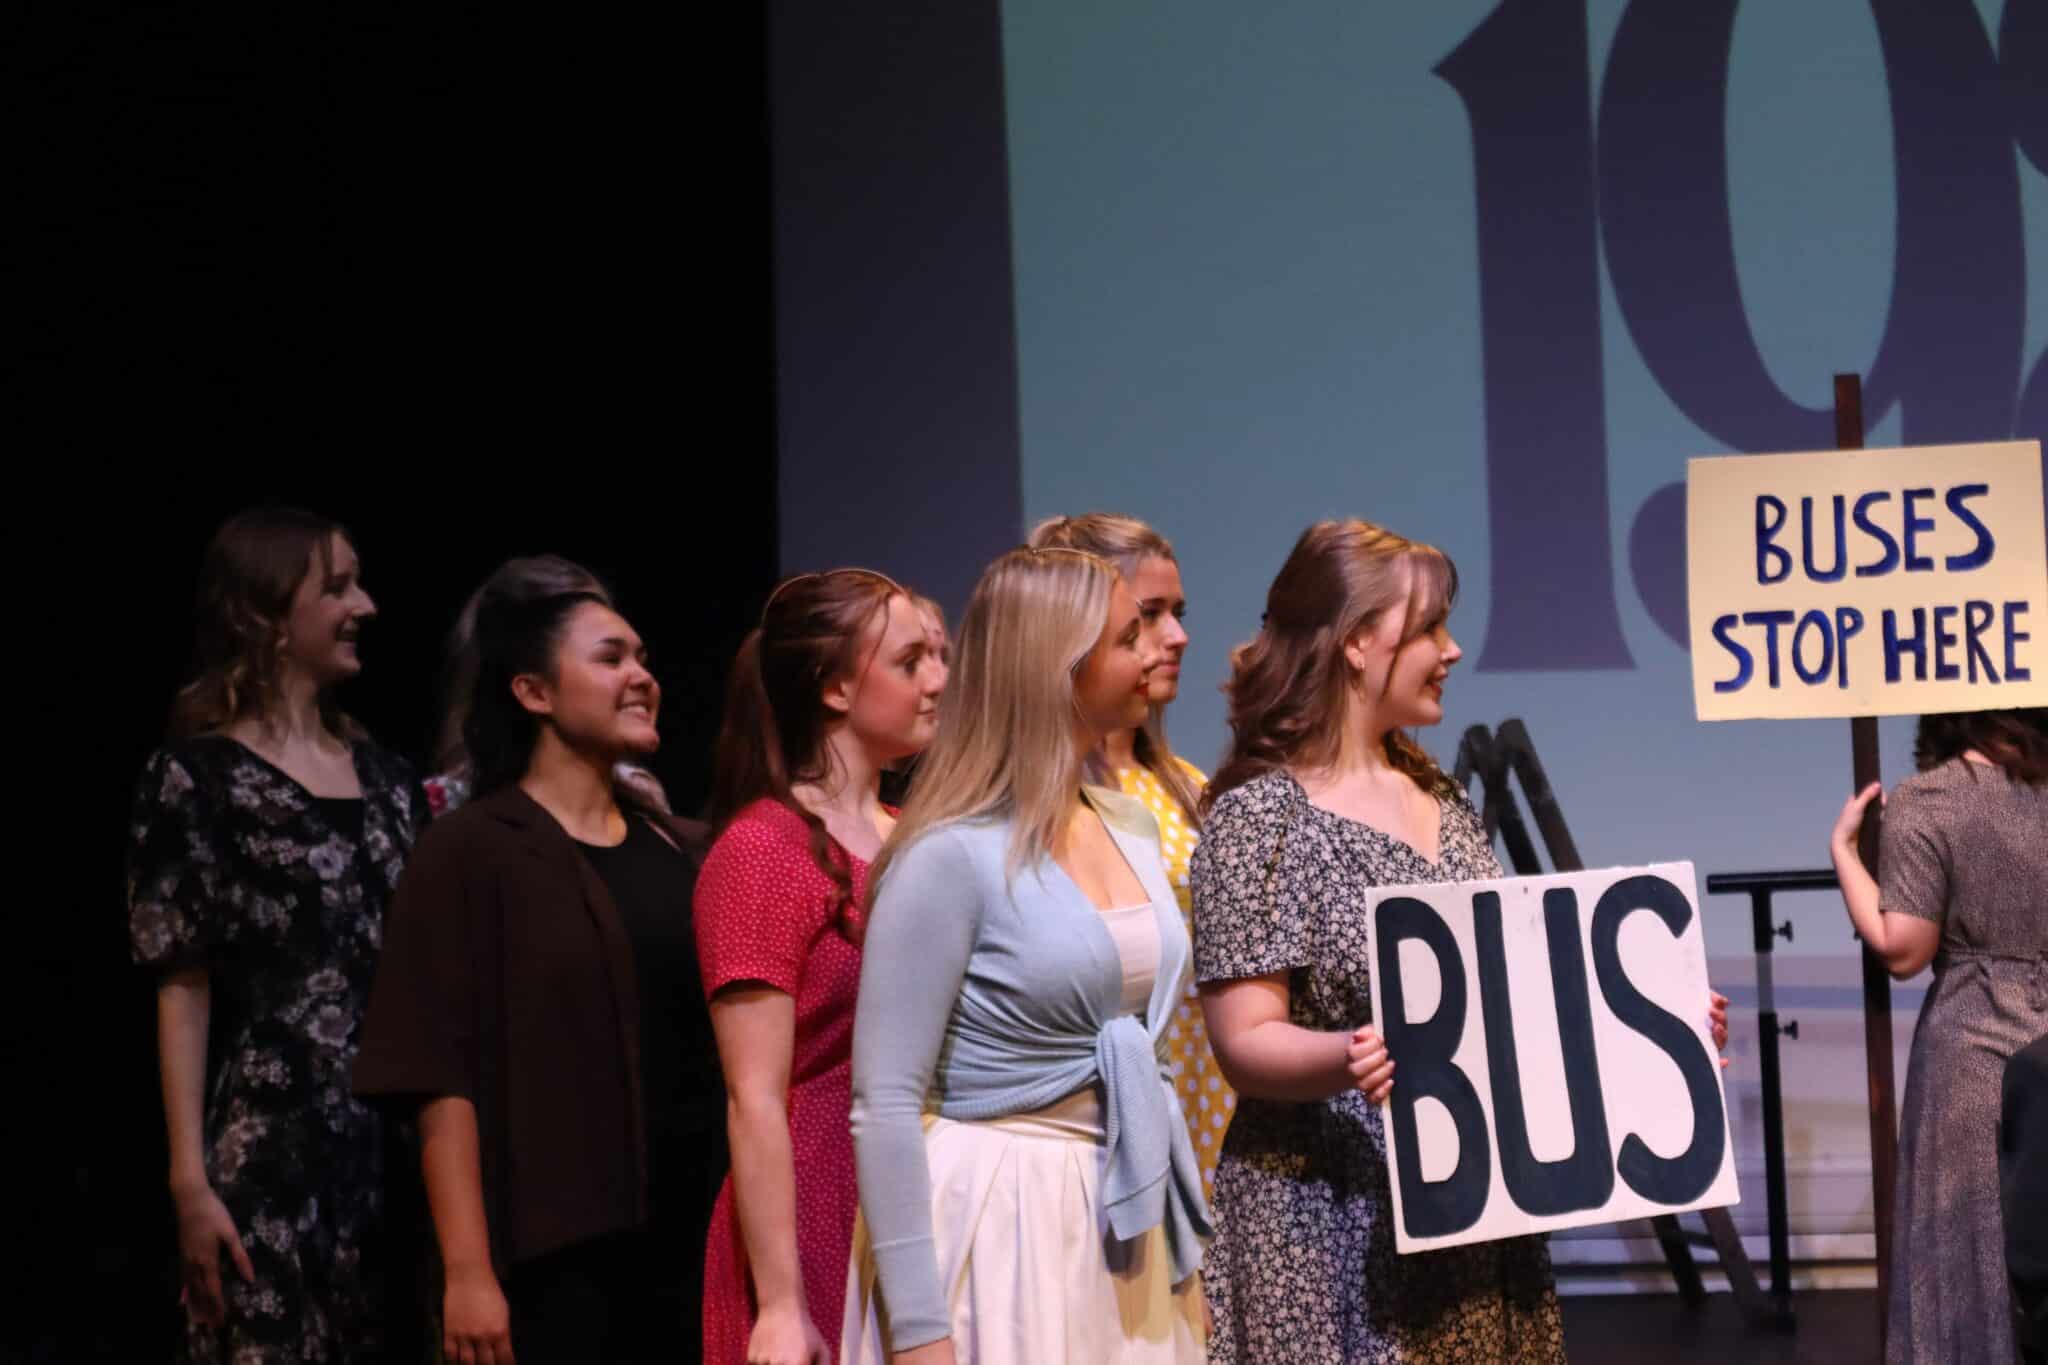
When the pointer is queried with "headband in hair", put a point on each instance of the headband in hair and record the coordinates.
(1070, 550)
(893, 585)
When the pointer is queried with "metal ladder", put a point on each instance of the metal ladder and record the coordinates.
(1490, 756)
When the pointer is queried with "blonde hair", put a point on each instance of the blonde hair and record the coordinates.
(1288, 683)
(1127, 542)
(1006, 748)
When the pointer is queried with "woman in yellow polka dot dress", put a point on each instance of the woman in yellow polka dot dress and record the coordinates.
(1147, 768)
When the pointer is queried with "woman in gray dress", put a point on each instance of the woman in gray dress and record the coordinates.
(1963, 883)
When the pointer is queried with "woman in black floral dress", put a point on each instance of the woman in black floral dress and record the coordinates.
(267, 836)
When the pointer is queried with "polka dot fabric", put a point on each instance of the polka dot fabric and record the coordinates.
(1204, 1098)
(765, 913)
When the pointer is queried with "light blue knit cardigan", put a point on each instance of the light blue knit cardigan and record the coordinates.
(984, 994)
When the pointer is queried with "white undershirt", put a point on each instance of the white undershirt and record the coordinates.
(1135, 931)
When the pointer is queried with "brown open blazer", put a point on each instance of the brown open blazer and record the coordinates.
(507, 978)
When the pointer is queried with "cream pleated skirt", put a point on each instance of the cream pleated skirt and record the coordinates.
(1030, 1270)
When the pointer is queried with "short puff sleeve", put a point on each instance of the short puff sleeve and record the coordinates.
(1913, 854)
(1251, 886)
(177, 913)
(760, 903)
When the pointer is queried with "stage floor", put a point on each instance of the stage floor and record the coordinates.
(1834, 1326)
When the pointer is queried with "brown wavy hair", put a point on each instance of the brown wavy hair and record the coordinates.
(251, 571)
(772, 738)
(933, 610)
(1127, 542)
(2016, 740)
(1288, 683)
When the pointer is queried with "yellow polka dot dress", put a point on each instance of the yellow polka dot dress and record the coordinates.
(1204, 1098)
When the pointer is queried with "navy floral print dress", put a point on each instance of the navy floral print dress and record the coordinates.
(1303, 1270)
(235, 867)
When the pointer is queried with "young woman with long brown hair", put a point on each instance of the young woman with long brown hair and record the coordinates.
(1146, 767)
(1027, 1188)
(1962, 883)
(268, 834)
(841, 678)
(1324, 796)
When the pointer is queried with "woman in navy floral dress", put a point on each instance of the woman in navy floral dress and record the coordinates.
(267, 836)
(1323, 797)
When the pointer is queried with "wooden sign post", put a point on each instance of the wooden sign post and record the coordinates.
(1877, 979)
(1826, 584)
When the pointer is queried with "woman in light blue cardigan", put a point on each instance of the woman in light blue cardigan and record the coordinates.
(1027, 1189)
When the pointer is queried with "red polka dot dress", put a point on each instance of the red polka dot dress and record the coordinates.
(766, 913)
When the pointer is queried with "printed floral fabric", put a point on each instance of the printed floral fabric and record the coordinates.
(235, 867)
(1303, 1270)
(446, 791)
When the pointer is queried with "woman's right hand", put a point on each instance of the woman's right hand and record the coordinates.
(204, 1227)
(785, 1335)
(1372, 1070)
(476, 1323)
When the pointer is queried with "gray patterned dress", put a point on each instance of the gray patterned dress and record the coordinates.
(1303, 1270)
(1966, 846)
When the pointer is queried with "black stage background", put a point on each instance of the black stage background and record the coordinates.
(476, 281)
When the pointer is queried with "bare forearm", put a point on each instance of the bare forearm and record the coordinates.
(1276, 1060)
(184, 1001)
(1859, 894)
(764, 1195)
(1903, 943)
(453, 1172)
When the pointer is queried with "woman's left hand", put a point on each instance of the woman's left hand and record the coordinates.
(1717, 1021)
(1372, 1070)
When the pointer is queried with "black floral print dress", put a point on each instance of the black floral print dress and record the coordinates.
(235, 867)
(1303, 1270)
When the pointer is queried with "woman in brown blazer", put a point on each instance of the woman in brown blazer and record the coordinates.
(536, 1001)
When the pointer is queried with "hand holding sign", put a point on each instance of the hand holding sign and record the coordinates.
(1372, 1070)
(1557, 1070)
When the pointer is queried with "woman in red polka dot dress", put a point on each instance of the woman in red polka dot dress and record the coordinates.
(840, 679)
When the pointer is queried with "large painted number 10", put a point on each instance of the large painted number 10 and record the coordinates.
(1652, 192)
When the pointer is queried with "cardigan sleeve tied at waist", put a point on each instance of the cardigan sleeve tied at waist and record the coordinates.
(1151, 1177)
